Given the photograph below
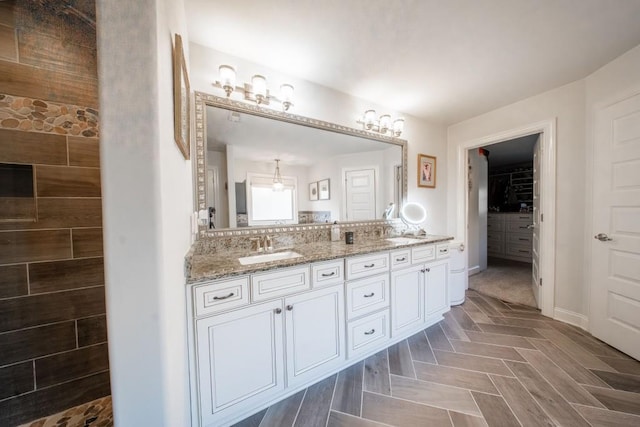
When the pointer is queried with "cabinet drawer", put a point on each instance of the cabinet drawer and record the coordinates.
(423, 253)
(518, 250)
(220, 296)
(442, 251)
(367, 266)
(400, 258)
(518, 226)
(280, 282)
(520, 238)
(528, 218)
(367, 295)
(495, 226)
(496, 248)
(327, 273)
(367, 333)
(495, 236)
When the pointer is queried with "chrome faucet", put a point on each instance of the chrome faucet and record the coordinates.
(267, 243)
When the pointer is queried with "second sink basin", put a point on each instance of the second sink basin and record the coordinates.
(403, 240)
(275, 256)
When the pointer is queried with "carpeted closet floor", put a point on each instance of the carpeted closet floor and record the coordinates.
(506, 280)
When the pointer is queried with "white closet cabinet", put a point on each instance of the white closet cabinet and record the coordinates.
(436, 287)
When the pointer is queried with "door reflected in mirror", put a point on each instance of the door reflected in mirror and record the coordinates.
(365, 173)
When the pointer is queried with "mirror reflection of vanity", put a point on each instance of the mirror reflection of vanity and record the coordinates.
(324, 172)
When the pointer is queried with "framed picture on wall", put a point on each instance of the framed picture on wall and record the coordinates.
(313, 191)
(323, 189)
(426, 171)
(180, 98)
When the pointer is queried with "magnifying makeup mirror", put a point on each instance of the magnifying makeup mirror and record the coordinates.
(413, 214)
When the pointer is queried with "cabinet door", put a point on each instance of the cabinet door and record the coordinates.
(314, 329)
(406, 299)
(240, 359)
(436, 288)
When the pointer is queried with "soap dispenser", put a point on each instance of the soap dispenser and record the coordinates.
(335, 232)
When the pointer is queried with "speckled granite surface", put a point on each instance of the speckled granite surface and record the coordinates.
(204, 262)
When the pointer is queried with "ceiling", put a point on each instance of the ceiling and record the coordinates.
(442, 61)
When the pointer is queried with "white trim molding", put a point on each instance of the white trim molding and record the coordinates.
(547, 129)
(571, 317)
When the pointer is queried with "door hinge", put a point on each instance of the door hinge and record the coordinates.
(541, 281)
(541, 217)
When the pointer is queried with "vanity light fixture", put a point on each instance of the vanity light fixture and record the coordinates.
(256, 91)
(382, 125)
(278, 185)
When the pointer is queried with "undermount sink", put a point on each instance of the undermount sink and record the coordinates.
(275, 256)
(403, 240)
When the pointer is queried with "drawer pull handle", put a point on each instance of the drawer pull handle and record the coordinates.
(225, 297)
(329, 274)
(522, 250)
(371, 332)
(278, 310)
(289, 308)
(521, 238)
(369, 265)
(525, 227)
(404, 258)
(369, 295)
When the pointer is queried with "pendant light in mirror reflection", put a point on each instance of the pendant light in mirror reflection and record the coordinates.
(278, 185)
(257, 91)
(382, 125)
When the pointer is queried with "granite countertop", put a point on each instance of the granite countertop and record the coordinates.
(207, 266)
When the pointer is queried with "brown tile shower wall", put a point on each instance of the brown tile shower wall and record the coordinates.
(53, 337)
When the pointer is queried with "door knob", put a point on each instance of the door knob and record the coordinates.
(602, 237)
(531, 226)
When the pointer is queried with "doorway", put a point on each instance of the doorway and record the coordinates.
(545, 213)
(502, 205)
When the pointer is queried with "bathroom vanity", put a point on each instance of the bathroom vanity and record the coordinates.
(262, 331)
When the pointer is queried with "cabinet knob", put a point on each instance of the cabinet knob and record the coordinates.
(289, 307)
(427, 270)
(278, 310)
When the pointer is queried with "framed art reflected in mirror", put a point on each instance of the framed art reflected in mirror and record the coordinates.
(323, 190)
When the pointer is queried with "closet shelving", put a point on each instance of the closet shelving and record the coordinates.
(515, 186)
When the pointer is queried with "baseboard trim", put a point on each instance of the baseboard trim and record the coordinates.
(572, 318)
(473, 270)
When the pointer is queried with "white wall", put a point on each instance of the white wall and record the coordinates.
(320, 102)
(147, 201)
(566, 105)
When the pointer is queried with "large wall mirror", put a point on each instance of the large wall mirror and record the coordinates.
(260, 167)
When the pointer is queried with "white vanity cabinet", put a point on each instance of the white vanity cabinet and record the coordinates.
(240, 360)
(257, 338)
(420, 290)
(250, 351)
(314, 330)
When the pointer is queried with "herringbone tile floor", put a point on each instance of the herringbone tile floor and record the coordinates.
(487, 363)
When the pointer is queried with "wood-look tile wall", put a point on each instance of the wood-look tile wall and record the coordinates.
(53, 335)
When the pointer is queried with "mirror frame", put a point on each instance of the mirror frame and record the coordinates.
(202, 100)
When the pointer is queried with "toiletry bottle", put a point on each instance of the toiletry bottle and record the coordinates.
(335, 232)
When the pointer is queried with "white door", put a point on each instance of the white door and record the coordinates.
(615, 252)
(240, 359)
(360, 194)
(535, 250)
(406, 300)
(314, 333)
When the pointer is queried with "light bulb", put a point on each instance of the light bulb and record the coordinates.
(227, 78)
(369, 118)
(398, 127)
(385, 123)
(259, 84)
(286, 95)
